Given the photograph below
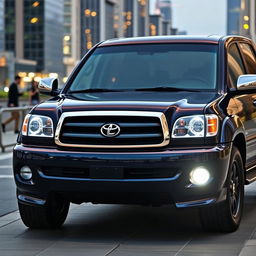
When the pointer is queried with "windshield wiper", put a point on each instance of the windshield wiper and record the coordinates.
(166, 89)
(93, 90)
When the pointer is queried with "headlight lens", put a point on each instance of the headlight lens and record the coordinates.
(37, 126)
(196, 126)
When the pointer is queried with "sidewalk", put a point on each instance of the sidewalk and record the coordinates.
(250, 247)
(117, 230)
(9, 137)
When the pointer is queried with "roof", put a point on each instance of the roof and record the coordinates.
(212, 39)
(208, 39)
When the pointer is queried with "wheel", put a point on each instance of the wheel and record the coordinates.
(51, 215)
(226, 216)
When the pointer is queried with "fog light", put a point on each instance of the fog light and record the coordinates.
(25, 173)
(199, 176)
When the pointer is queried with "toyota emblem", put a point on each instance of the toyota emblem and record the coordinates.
(110, 130)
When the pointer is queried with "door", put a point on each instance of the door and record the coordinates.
(242, 60)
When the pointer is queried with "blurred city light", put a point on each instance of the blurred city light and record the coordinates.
(37, 79)
(246, 18)
(246, 26)
(34, 20)
(31, 74)
(66, 38)
(27, 79)
(35, 4)
(53, 75)
(93, 14)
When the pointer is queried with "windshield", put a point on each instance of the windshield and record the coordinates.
(146, 66)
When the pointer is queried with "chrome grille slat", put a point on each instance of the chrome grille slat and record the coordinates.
(138, 129)
(122, 124)
(122, 136)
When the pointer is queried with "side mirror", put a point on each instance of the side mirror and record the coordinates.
(246, 82)
(49, 86)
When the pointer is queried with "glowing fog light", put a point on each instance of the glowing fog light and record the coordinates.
(25, 173)
(199, 176)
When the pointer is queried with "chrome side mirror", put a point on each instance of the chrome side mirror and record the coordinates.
(246, 82)
(48, 86)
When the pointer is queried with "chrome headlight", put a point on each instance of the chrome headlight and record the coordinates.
(196, 126)
(37, 126)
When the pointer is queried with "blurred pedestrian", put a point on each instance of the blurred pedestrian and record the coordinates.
(13, 101)
(34, 93)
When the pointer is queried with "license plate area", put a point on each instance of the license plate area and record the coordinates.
(106, 173)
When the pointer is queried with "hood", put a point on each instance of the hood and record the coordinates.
(142, 101)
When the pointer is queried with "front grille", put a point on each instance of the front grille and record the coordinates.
(107, 173)
(84, 130)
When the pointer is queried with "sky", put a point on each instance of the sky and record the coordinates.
(199, 17)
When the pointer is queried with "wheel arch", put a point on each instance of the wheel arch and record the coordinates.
(233, 131)
(240, 143)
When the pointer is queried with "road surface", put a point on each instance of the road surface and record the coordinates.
(120, 230)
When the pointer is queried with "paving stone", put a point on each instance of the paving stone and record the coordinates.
(77, 249)
(146, 252)
(19, 252)
(251, 242)
(127, 230)
(248, 251)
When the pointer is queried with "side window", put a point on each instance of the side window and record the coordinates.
(235, 65)
(249, 57)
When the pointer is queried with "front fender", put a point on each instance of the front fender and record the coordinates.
(231, 127)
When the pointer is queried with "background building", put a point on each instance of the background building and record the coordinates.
(143, 17)
(233, 17)
(156, 25)
(43, 34)
(131, 18)
(39, 38)
(33, 38)
(165, 7)
(71, 37)
(13, 51)
(2, 23)
(247, 19)
(93, 18)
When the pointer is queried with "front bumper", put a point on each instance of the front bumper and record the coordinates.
(143, 190)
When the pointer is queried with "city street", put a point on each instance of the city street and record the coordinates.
(149, 101)
(120, 230)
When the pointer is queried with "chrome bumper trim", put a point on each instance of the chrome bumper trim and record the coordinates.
(31, 200)
(195, 203)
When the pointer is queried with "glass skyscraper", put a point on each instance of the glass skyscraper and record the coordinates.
(233, 22)
(110, 12)
(43, 34)
(2, 22)
(34, 31)
(143, 17)
(53, 36)
(90, 24)
(97, 22)
(10, 21)
(166, 9)
(71, 36)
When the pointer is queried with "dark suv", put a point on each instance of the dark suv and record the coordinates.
(151, 121)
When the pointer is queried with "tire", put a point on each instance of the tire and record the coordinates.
(226, 216)
(51, 215)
